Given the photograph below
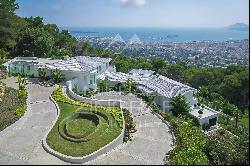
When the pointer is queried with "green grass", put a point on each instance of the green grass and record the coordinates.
(11, 102)
(104, 134)
(81, 127)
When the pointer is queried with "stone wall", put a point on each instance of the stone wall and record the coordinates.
(109, 103)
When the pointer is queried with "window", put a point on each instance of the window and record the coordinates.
(90, 79)
(213, 121)
(28, 68)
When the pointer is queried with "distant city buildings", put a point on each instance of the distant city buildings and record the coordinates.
(203, 54)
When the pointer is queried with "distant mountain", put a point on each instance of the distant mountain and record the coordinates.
(239, 27)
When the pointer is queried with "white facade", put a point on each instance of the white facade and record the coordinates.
(82, 70)
(209, 116)
(83, 73)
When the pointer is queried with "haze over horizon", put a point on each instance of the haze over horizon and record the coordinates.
(138, 13)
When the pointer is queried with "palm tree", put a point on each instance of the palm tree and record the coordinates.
(103, 85)
(19, 78)
(180, 105)
(42, 74)
(130, 85)
(57, 76)
(21, 83)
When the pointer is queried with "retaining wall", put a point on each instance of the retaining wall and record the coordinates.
(96, 102)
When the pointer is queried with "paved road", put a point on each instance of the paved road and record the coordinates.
(20, 143)
(151, 141)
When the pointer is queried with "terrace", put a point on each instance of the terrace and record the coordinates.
(205, 115)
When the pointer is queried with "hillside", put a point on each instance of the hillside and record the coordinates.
(238, 27)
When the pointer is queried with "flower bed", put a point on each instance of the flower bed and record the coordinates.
(68, 139)
(114, 111)
(12, 106)
(129, 125)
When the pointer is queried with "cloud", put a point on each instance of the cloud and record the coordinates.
(133, 2)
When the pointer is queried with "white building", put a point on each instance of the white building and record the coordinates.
(164, 89)
(208, 116)
(27, 65)
(84, 71)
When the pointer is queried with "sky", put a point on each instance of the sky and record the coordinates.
(137, 13)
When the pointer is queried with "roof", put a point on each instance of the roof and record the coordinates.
(79, 63)
(47, 60)
(22, 59)
(123, 77)
(165, 86)
(150, 83)
(207, 112)
(141, 72)
(92, 59)
(35, 60)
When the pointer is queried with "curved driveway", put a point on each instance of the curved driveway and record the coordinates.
(20, 143)
(150, 143)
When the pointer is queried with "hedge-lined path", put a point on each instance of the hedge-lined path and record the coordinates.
(151, 141)
(20, 143)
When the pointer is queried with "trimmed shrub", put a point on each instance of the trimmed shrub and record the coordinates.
(114, 111)
(21, 111)
(129, 125)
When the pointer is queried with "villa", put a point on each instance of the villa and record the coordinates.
(27, 65)
(81, 70)
(84, 72)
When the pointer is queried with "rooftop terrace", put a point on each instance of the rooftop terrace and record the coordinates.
(207, 112)
(79, 63)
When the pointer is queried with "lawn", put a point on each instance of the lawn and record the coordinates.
(8, 106)
(80, 130)
(100, 138)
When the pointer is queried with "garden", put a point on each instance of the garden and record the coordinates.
(12, 105)
(129, 125)
(224, 148)
(190, 142)
(81, 129)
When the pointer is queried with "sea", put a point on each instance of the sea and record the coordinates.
(159, 34)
